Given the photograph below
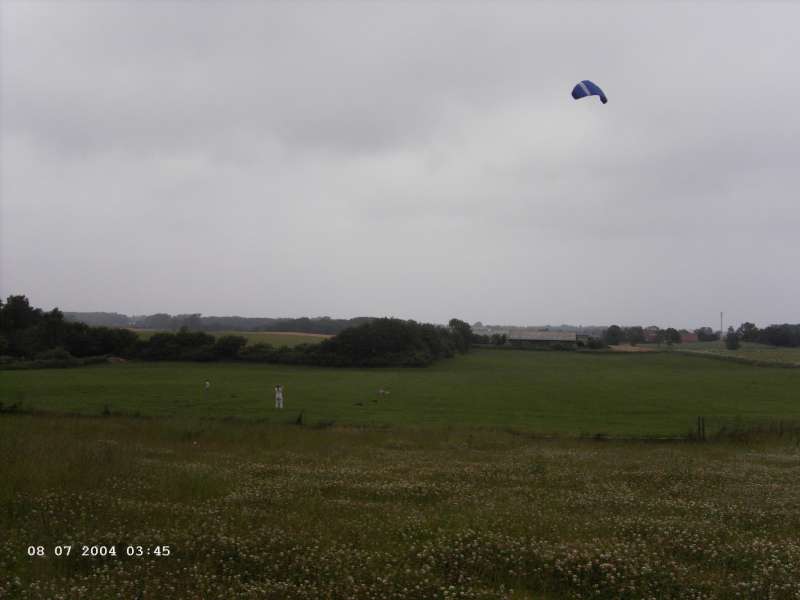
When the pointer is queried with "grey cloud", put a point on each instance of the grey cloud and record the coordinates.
(418, 160)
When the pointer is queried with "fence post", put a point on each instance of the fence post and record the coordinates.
(701, 429)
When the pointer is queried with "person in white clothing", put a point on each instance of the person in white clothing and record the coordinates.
(279, 396)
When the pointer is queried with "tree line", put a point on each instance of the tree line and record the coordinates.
(30, 333)
(195, 321)
(495, 339)
(785, 334)
(776, 335)
(615, 335)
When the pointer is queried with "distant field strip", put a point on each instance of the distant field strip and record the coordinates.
(748, 350)
(657, 393)
(276, 338)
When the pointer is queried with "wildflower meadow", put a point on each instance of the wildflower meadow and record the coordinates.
(212, 509)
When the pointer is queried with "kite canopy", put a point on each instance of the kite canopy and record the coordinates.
(587, 88)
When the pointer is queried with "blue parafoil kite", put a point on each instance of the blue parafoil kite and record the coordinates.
(587, 88)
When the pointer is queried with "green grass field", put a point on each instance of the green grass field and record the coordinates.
(442, 490)
(276, 338)
(749, 350)
(549, 392)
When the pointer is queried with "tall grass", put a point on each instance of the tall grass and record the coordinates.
(257, 510)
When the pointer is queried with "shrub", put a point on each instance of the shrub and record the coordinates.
(161, 346)
(389, 342)
(257, 353)
(193, 339)
(229, 346)
(499, 339)
(732, 340)
(595, 344)
(204, 353)
(54, 354)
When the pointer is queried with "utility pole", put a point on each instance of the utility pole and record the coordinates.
(721, 332)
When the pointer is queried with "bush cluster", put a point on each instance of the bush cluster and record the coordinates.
(377, 343)
(187, 345)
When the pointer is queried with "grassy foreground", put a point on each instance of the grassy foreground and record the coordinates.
(266, 511)
(550, 392)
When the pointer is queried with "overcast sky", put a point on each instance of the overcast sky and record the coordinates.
(410, 159)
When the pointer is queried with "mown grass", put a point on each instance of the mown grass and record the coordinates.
(549, 392)
(256, 510)
(276, 338)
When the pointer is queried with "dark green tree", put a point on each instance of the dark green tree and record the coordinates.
(193, 339)
(613, 335)
(463, 334)
(634, 335)
(732, 340)
(748, 332)
(229, 346)
(18, 314)
(672, 336)
(499, 339)
(706, 334)
(53, 328)
(160, 346)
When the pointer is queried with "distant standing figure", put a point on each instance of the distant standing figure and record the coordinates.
(279, 396)
(207, 385)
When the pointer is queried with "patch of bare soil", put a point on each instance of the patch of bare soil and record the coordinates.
(629, 348)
